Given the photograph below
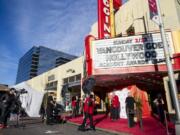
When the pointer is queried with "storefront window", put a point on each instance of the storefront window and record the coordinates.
(65, 80)
(51, 85)
(78, 77)
(72, 79)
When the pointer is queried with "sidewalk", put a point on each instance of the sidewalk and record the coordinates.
(150, 125)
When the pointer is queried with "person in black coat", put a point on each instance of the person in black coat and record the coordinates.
(159, 102)
(49, 110)
(8, 104)
(130, 109)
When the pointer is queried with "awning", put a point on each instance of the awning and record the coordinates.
(4, 88)
(143, 80)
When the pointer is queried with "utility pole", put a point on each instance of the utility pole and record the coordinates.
(170, 70)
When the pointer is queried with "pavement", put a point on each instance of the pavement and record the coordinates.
(37, 127)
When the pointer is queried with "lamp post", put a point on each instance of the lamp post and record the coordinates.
(170, 70)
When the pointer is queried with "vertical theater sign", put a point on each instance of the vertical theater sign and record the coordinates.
(106, 18)
(105, 28)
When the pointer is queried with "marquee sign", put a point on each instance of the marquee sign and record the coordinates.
(142, 50)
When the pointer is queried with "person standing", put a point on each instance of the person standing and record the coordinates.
(77, 105)
(73, 105)
(49, 110)
(82, 105)
(159, 102)
(107, 103)
(130, 109)
(8, 102)
(88, 112)
(115, 107)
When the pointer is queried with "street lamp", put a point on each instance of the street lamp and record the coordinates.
(170, 70)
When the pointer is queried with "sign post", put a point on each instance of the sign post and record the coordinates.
(170, 69)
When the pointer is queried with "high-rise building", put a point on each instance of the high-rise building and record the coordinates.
(38, 60)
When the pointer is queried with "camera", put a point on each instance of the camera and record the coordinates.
(21, 91)
(16, 103)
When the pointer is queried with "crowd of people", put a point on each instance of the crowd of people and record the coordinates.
(85, 106)
(133, 108)
(76, 106)
(112, 108)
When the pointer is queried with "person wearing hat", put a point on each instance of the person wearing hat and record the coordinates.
(7, 101)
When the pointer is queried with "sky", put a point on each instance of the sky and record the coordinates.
(57, 24)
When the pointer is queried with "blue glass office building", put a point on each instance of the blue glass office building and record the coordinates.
(38, 60)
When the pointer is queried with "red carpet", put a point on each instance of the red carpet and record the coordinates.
(150, 125)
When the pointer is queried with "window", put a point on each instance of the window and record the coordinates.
(65, 80)
(51, 86)
(72, 79)
(130, 31)
(78, 77)
(51, 77)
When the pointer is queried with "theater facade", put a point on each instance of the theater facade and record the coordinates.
(131, 52)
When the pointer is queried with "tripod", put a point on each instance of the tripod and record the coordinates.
(19, 114)
(19, 111)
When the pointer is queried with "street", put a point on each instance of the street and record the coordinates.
(36, 127)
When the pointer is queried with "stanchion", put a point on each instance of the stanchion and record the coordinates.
(166, 122)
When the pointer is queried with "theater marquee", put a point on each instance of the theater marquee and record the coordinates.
(142, 50)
